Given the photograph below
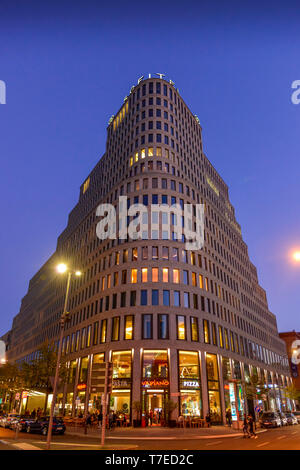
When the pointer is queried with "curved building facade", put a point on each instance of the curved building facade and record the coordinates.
(191, 326)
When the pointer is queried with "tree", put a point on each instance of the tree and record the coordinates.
(39, 373)
(292, 393)
(170, 406)
(256, 389)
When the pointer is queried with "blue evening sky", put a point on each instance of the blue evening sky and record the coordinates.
(67, 67)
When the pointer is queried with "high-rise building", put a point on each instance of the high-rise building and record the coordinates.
(181, 325)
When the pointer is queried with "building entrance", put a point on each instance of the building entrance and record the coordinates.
(154, 408)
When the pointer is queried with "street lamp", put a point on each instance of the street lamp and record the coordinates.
(296, 256)
(61, 268)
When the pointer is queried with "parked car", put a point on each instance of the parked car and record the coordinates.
(270, 419)
(24, 422)
(291, 418)
(297, 414)
(14, 422)
(5, 421)
(283, 418)
(40, 426)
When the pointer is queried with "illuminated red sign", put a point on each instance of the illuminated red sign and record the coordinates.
(81, 387)
(155, 383)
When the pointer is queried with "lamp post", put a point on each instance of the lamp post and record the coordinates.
(61, 268)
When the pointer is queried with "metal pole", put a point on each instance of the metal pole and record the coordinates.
(62, 324)
(104, 406)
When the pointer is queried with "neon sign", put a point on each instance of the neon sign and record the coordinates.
(155, 383)
(81, 387)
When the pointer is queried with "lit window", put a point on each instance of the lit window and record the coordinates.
(86, 185)
(115, 329)
(176, 276)
(158, 151)
(134, 276)
(128, 334)
(194, 279)
(154, 274)
(200, 281)
(150, 152)
(181, 331)
(165, 274)
(143, 153)
(206, 332)
(136, 156)
(103, 331)
(194, 329)
(144, 274)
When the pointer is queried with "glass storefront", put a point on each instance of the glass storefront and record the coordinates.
(155, 386)
(121, 385)
(213, 389)
(189, 384)
(95, 399)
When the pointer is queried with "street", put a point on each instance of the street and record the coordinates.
(287, 438)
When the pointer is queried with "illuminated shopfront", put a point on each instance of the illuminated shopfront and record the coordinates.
(155, 384)
(213, 386)
(189, 383)
(94, 398)
(120, 398)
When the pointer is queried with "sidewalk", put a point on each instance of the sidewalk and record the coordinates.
(162, 433)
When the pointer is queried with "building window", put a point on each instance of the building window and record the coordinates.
(154, 297)
(189, 383)
(194, 329)
(214, 334)
(147, 326)
(163, 326)
(165, 273)
(83, 373)
(206, 332)
(166, 298)
(155, 364)
(115, 334)
(181, 329)
(176, 298)
(144, 274)
(128, 331)
(134, 276)
(95, 333)
(144, 297)
(213, 388)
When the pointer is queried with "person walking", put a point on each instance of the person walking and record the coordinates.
(251, 427)
(228, 417)
(245, 428)
(208, 420)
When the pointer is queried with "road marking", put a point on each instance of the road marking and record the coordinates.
(214, 443)
(263, 444)
(281, 437)
(25, 446)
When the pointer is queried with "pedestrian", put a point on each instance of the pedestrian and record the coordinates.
(228, 417)
(251, 427)
(208, 420)
(151, 417)
(245, 428)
